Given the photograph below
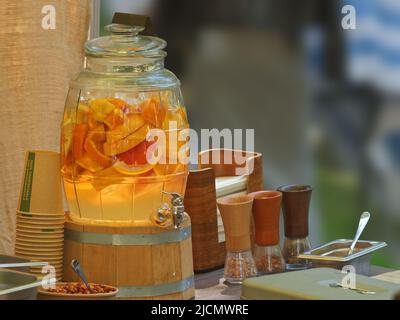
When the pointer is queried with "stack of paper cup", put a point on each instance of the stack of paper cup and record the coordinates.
(40, 212)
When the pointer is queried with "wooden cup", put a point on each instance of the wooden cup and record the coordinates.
(236, 216)
(266, 210)
(296, 202)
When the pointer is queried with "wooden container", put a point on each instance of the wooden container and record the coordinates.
(200, 201)
(46, 295)
(143, 262)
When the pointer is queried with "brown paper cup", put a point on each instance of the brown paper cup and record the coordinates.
(31, 235)
(40, 216)
(50, 260)
(43, 223)
(33, 248)
(57, 266)
(236, 216)
(39, 242)
(41, 183)
(266, 210)
(42, 254)
(45, 241)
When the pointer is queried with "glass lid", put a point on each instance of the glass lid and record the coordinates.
(125, 41)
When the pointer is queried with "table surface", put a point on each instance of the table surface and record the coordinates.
(211, 285)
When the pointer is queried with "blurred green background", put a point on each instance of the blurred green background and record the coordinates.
(284, 68)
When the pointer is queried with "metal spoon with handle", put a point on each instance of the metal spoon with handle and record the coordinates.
(362, 291)
(76, 266)
(361, 225)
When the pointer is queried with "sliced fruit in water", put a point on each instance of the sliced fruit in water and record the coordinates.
(101, 108)
(134, 161)
(126, 169)
(120, 104)
(79, 136)
(96, 155)
(153, 111)
(97, 134)
(88, 163)
(131, 141)
(137, 155)
(132, 122)
(114, 119)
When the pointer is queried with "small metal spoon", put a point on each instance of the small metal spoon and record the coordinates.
(362, 291)
(76, 266)
(361, 225)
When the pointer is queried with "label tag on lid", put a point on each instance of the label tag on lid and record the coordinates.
(134, 20)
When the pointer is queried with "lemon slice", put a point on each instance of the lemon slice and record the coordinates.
(126, 169)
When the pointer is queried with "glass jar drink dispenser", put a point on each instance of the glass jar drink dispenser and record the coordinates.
(116, 168)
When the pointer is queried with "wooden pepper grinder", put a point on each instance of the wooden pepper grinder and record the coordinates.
(236, 216)
(266, 211)
(296, 202)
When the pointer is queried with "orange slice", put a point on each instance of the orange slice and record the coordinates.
(89, 164)
(114, 119)
(93, 146)
(101, 108)
(92, 122)
(94, 154)
(131, 141)
(119, 103)
(137, 155)
(126, 169)
(154, 112)
(79, 135)
(132, 122)
(97, 134)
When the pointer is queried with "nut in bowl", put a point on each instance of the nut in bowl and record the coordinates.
(78, 291)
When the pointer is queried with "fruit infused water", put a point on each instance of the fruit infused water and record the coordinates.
(120, 154)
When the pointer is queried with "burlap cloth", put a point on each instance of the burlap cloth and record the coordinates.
(35, 68)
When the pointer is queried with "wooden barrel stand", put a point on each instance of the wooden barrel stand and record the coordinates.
(144, 262)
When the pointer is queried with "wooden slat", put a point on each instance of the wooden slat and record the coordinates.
(200, 202)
